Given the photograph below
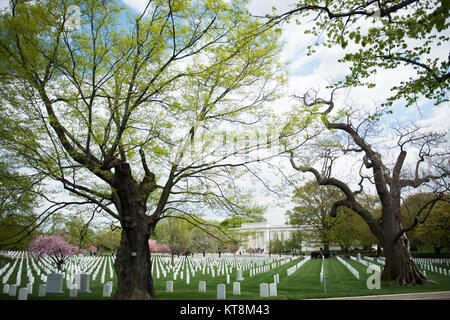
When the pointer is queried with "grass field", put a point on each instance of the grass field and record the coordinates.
(303, 284)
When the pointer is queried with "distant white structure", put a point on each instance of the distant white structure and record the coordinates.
(259, 235)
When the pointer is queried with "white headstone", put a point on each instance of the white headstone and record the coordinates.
(107, 288)
(263, 290)
(83, 286)
(77, 280)
(23, 294)
(30, 288)
(221, 292)
(6, 288)
(273, 289)
(236, 288)
(228, 279)
(42, 290)
(12, 290)
(202, 286)
(55, 283)
(73, 292)
(239, 275)
(169, 286)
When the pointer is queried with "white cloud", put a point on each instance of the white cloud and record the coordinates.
(439, 120)
(4, 4)
(137, 5)
(263, 7)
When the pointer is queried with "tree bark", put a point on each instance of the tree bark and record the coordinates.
(133, 262)
(133, 267)
(326, 249)
(399, 267)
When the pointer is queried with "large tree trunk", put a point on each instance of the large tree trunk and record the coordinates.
(133, 267)
(399, 267)
(133, 262)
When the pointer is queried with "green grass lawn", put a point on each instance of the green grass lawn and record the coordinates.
(303, 284)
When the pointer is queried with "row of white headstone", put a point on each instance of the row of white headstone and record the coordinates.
(366, 263)
(53, 282)
(265, 289)
(379, 260)
(186, 268)
(54, 285)
(43, 266)
(440, 261)
(220, 266)
(425, 264)
(349, 267)
(294, 268)
(428, 264)
(435, 269)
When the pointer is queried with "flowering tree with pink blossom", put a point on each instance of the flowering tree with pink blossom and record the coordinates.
(156, 247)
(153, 245)
(55, 247)
(233, 248)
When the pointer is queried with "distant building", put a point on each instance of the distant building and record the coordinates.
(259, 235)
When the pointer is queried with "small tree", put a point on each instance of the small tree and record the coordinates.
(233, 249)
(92, 248)
(201, 242)
(294, 243)
(221, 246)
(177, 235)
(433, 228)
(276, 246)
(56, 247)
(313, 211)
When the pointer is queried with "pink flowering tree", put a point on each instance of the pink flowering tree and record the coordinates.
(55, 247)
(156, 247)
(153, 245)
(233, 249)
